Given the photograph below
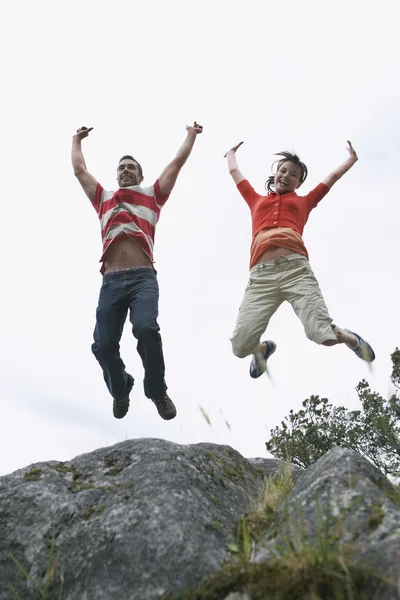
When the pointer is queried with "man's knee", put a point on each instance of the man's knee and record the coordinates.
(104, 349)
(145, 328)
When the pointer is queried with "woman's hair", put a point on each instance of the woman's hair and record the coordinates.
(286, 156)
(134, 160)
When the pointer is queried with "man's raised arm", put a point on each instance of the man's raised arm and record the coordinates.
(87, 181)
(170, 174)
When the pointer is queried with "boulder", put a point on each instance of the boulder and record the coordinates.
(346, 495)
(134, 521)
(150, 520)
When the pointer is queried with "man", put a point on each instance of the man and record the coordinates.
(128, 218)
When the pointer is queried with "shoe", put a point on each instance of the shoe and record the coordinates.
(363, 350)
(165, 406)
(121, 407)
(258, 365)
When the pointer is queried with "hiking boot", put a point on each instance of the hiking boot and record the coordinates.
(258, 364)
(121, 407)
(165, 406)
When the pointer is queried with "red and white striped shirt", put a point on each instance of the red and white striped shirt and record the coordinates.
(132, 211)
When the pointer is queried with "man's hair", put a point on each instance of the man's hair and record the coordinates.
(134, 160)
(286, 156)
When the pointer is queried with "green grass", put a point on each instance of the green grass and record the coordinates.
(215, 526)
(33, 475)
(110, 461)
(92, 511)
(80, 486)
(376, 517)
(276, 489)
(293, 576)
(41, 588)
(114, 471)
(252, 527)
(394, 495)
(63, 468)
(298, 567)
(124, 486)
(216, 501)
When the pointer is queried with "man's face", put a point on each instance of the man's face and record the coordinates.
(287, 178)
(128, 173)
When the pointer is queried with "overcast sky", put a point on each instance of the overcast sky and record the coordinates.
(304, 76)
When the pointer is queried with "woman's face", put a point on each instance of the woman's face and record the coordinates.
(287, 178)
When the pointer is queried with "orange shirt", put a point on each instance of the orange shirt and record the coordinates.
(273, 210)
(276, 237)
(281, 219)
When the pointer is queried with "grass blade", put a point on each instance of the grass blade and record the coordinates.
(23, 571)
(14, 591)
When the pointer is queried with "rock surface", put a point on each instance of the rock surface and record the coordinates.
(149, 519)
(347, 492)
(132, 521)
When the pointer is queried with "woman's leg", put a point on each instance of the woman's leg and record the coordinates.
(261, 300)
(302, 290)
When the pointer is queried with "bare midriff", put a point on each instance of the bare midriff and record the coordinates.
(270, 243)
(272, 253)
(125, 253)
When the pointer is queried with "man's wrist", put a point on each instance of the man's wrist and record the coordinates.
(192, 133)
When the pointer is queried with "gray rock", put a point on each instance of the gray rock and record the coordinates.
(132, 521)
(354, 496)
(148, 519)
(272, 465)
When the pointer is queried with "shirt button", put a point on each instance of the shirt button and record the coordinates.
(275, 213)
(275, 222)
(276, 204)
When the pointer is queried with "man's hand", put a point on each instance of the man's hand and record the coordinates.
(83, 132)
(87, 181)
(169, 176)
(195, 127)
(233, 149)
(351, 151)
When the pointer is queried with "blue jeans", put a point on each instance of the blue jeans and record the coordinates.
(137, 290)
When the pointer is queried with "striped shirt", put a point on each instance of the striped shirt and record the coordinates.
(133, 211)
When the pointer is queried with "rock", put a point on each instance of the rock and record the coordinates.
(149, 520)
(134, 521)
(238, 596)
(354, 499)
(272, 465)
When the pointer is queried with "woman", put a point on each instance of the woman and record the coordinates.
(279, 266)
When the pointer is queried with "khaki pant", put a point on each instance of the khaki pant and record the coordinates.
(271, 283)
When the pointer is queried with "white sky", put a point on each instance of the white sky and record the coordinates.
(295, 75)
